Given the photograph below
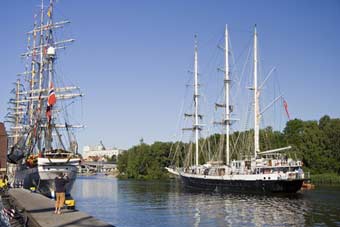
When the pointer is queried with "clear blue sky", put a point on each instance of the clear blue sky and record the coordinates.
(131, 57)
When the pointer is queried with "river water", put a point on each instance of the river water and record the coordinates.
(165, 203)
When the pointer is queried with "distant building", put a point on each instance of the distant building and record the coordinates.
(3, 148)
(100, 153)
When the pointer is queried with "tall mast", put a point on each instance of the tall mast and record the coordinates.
(256, 100)
(227, 87)
(33, 71)
(50, 48)
(196, 126)
(41, 63)
(17, 110)
(48, 140)
(50, 60)
(41, 67)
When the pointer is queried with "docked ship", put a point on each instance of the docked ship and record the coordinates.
(269, 171)
(42, 142)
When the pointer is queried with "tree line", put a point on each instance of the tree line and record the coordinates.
(316, 143)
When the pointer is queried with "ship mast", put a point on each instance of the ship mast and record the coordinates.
(41, 67)
(43, 56)
(256, 100)
(15, 115)
(33, 72)
(196, 125)
(226, 122)
(41, 63)
(227, 88)
(17, 112)
(50, 52)
(28, 110)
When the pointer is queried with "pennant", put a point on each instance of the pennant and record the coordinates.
(285, 105)
(51, 100)
(49, 12)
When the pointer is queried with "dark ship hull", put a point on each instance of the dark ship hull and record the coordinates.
(243, 186)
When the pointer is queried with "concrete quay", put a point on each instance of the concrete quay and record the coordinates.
(40, 211)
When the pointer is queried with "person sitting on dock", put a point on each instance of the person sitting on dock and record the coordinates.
(60, 189)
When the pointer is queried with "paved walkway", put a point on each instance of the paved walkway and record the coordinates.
(40, 211)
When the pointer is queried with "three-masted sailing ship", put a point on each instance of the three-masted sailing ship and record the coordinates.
(42, 144)
(263, 172)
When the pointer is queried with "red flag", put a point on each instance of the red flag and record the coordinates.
(49, 113)
(285, 104)
(51, 100)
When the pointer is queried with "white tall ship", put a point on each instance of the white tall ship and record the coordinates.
(42, 143)
(268, 171)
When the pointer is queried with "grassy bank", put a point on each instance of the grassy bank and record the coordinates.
(326, 178)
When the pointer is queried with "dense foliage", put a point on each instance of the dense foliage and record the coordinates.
(317, 143)
(145, 161)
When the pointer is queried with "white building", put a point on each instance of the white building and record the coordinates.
(100, 151)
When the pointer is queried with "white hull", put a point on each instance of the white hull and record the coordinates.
(50, 168)
(43, 175)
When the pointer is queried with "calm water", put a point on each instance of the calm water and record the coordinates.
(165, 203)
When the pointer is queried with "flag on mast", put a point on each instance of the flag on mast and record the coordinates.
(51, 100)
(285, 105)
(49, 12)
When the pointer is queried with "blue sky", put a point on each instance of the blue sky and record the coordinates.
(131, 57)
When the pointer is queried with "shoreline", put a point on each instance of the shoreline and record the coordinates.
(325, 179)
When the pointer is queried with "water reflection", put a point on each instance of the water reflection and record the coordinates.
(93, 188)
(165, 203)
(262, 210)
